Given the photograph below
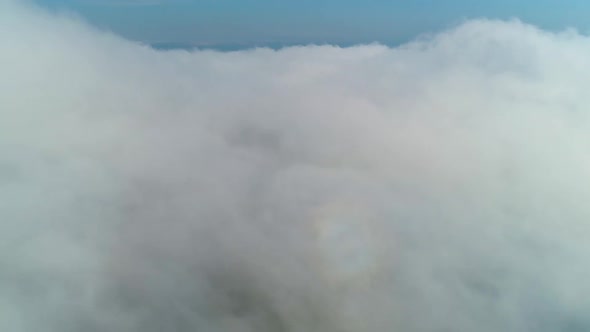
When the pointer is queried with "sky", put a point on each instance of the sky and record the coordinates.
(309, 21)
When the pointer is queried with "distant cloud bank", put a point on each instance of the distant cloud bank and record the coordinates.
(127, 2)
(436, 186)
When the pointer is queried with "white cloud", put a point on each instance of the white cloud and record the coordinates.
(440, 185)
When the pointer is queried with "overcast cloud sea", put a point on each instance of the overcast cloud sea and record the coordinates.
(436, 185)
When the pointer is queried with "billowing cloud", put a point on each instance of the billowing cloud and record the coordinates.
(435, 186)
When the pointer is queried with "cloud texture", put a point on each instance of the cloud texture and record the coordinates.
(437, 186)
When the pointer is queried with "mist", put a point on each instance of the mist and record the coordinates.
(435, 186)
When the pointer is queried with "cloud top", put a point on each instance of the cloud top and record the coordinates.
(439, 185)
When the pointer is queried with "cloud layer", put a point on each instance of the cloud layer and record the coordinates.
(436, 186)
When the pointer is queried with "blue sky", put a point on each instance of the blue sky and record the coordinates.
(309, 21)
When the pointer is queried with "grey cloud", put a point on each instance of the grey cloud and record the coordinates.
(436, 186)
